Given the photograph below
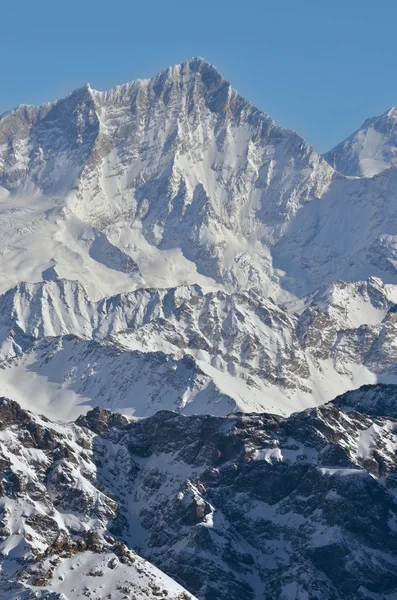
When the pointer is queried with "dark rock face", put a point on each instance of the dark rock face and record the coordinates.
(377, 400)
(247, 506)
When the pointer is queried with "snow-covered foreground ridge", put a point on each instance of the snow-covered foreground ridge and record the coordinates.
(246, 506)
(166, 245)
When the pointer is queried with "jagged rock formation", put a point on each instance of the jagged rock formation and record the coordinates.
(372, 400)
(245, 506)
(54, 537)
(192, 351)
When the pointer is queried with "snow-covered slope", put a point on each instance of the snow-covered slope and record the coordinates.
(190, 351)
(369, 150)
(350, 234)
(53, 308)
(103, 575)
(64, 377)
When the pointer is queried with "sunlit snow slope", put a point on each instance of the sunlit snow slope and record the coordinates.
(369, 150)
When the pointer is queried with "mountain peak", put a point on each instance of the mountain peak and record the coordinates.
(392, 113)
(197, 60)
(180, 147)
(370, 149)
(192, 68)
(195, 63)
(81, 92)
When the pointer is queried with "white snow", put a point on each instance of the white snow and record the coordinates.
(370, 150)
(98, 575)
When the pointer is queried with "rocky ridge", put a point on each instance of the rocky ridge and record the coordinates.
(251, 506)
(192, 351)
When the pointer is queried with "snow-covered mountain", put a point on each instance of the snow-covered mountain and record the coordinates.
(166, 245)
(165, 181)
(169, 253)
(246, 506)
(369, 150)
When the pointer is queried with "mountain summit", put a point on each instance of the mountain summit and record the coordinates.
(176, 165)
(369, 150)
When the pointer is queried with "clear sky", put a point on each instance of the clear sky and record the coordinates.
(317, 66)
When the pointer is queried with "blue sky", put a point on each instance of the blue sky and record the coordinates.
(318, 66)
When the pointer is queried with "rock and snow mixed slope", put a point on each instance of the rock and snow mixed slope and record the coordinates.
(194, 352)
(167, 247)
(245, 506)
(54, 538)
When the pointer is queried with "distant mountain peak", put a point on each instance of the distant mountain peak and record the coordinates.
(392, 113)
(369, 150)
